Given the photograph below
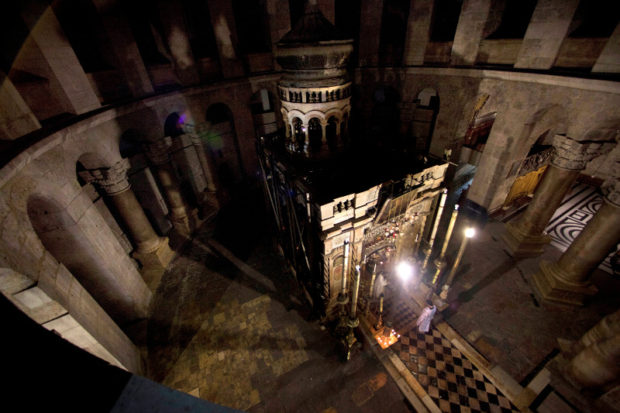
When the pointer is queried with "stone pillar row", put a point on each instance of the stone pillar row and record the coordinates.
(567, 280)
(151, 250)
(526, 237)
(595, 364)
(158, 154)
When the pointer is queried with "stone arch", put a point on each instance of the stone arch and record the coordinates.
(315, 134)
(337, 113)
(313, 114)
(173, 125)
(223, 144)
(299, 133)
(607, 130)
(552, 120)
(70, 242)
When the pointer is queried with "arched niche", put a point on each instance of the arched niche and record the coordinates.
(173, 125)
(315, 134)
(71, 244)
(222, 144)
(299, 133)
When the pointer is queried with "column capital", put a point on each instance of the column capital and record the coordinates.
(611, 189)
(158, 152)
(112, 180)
(574, 155)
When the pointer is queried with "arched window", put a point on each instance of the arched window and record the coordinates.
(331, 132)
(315, 133)
(299, 133)
(174, 125)
(221, 141)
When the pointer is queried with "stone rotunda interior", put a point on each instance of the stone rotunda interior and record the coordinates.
(246, 205)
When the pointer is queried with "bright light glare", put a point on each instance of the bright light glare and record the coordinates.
(404, 270)
(470, 232)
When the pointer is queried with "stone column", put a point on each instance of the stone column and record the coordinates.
(324, 132)
(159, 156)
(474, 14)
(204, 163)
(545, 33)
(279, 22)
(418, 31)
(16, 118)
(526, 238)
(567, 280)
(178, 42)
(370, 32)
(604, 329)
(69, 82)
(152, 250)
(596, 361)
(597, 365)
(609, 59)
(124, 46)
(223, 22)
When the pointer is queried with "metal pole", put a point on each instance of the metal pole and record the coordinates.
(457, 262)
(442, 203)
(356, 288)
(446, 241)
(345, 267)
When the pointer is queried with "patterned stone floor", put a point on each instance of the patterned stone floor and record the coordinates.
(449, 378)
(230, 329)
(576, 210)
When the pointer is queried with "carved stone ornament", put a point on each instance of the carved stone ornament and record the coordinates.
(574, 155)
(112, 180)
(159, 152)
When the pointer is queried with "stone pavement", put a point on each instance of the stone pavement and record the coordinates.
(220, 330)
(228, 326)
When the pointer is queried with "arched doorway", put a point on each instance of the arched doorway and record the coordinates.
(173, 126)
(315, 134)
(530, 171)
(299, 134)
(222, 143)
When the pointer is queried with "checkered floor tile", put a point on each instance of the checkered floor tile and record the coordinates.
(454, 384)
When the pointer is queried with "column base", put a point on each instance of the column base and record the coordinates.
(521, 245)
(549, 282)
(158, 258)
(185, 223)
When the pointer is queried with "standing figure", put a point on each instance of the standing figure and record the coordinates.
(424, 321)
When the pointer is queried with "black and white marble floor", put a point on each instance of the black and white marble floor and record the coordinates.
(577, 208)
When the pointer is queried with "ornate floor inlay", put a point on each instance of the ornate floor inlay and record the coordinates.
(577, 208)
